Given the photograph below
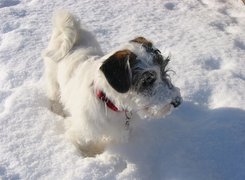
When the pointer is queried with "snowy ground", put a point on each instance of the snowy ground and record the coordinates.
(203, 140)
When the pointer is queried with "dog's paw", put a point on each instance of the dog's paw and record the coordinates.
(91, 149)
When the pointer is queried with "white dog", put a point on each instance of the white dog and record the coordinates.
(104, 93)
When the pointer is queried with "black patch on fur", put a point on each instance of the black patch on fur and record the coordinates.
(117, 71)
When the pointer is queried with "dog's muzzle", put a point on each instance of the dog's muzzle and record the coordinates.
(177, 101)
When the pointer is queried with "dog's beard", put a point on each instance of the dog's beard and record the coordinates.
(152, 108)
(159, 112)
(156, 112)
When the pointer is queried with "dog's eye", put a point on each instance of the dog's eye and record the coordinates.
(144, 81)
(149, 78)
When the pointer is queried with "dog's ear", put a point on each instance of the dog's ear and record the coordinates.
(117, 70)
(143, 41)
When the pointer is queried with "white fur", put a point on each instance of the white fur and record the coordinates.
(72, 61)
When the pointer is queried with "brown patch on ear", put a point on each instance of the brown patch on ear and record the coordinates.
(143, 41)
(120, 55)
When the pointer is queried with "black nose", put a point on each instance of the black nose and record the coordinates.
(176, 102)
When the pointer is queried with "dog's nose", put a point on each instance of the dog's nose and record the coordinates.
(176, 102)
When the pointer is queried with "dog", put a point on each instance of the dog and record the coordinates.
(101, 95)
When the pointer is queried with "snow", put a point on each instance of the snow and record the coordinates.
(203, 139)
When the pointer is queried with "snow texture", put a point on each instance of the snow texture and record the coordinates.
(204, 139)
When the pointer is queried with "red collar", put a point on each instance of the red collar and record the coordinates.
(101, 95)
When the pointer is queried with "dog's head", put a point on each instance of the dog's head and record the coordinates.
(139, 74)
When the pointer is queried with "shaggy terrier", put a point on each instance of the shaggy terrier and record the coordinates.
(102, 94)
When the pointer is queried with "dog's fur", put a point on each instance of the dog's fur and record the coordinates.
(134, 78)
